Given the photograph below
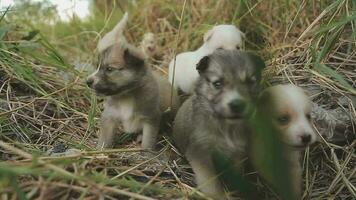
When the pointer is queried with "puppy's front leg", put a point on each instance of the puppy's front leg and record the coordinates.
(205, 175)
(149, 135)
(107, 130)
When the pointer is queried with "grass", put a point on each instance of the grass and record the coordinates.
(309, 43)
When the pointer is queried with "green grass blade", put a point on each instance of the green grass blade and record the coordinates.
(327, 71)
(337, 24)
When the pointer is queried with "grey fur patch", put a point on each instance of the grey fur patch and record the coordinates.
(239, 73)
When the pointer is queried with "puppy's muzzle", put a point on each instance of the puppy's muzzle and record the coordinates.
(306, 138)
(90, 82)
(237, 106)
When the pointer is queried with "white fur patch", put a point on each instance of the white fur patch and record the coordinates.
(124, 111)
(294, 101)
(148, 44)
(185, 75)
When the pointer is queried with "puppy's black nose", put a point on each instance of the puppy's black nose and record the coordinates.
(90, 82)
(306, 138)
(237, 105)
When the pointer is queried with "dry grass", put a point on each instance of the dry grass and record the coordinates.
(309, 43)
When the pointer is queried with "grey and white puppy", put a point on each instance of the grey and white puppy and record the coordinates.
(214, 117)
(136, 97)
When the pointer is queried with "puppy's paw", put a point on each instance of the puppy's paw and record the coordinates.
(139, 139)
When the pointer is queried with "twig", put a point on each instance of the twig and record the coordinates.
(349, 185)
(136, 166)
(150, 181)
(175, 51)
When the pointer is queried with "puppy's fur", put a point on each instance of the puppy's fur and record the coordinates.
(226, 37)
(135, 96)
(213, 118)
(288, 109)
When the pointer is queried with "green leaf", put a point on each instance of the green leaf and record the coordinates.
(330, 42)
(30, 35)
(20, 193)
(233, 178)
(91, 117)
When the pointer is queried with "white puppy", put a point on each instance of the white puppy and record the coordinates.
(219, 37)
(288, 109)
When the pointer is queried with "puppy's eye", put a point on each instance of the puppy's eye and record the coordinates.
(109, 69)
(283, 120)
(220, 48)
(251, 80)
(238, 47)
(218, 84)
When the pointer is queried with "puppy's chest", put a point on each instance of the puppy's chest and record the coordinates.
(228, 140)
(126, 112)
(231, 141)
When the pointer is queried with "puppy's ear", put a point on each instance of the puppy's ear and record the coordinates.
(208, 35)
(115, 35)
(203, 64)
(257, 63)
(120, 26)
(132, 60)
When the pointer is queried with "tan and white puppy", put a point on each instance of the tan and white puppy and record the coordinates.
(226, 37)
(149, 45)
(288, 109)
(214, 117)
(136, 97)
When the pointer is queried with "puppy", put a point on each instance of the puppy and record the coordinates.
(213, 118)
(288, 110)
(149, 45)
(219, 37)
(135, 96)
